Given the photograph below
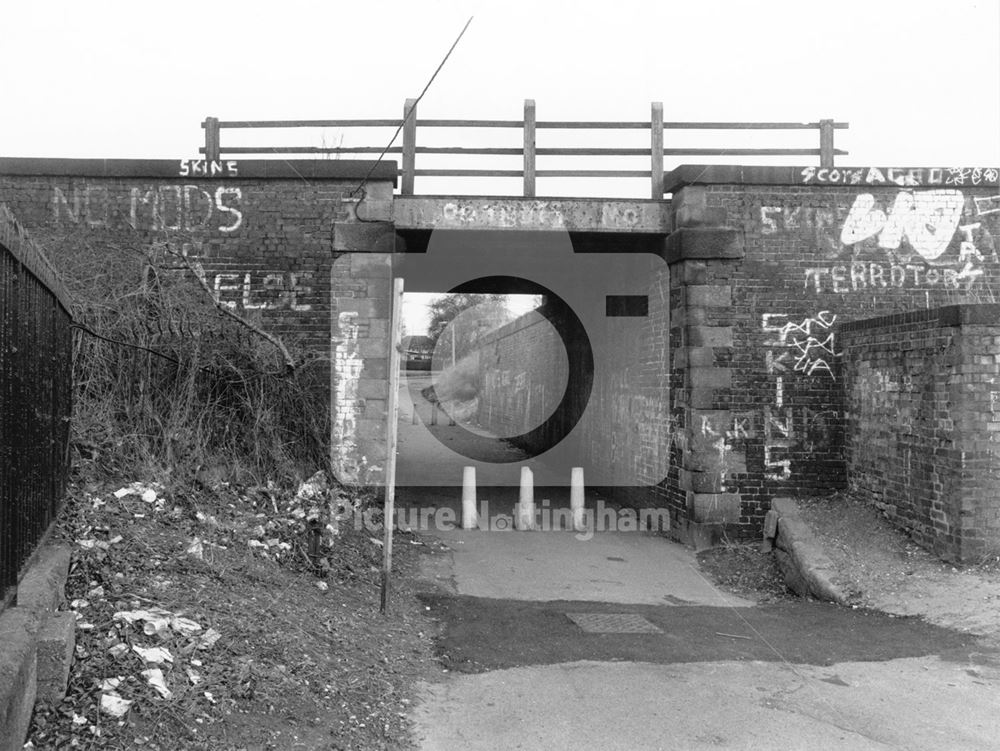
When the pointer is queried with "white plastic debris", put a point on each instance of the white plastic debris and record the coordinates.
(156, 620)
(196, 549)
(184, 626)
(208, 639)
(97, 591)
(193, 676)
(322, 586)
(110, 684)
(155, 655)
(154, 676)
(118, 650)
(79, 719)
(114, 705)
(148, 495)
(122, 492)
(79, 604)
(210, 697)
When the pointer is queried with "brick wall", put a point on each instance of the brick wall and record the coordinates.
(923, 423)
(268, 237)
(766, 265)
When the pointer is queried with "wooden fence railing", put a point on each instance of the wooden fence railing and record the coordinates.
(529, 125)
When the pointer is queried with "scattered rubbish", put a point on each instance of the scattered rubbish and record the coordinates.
(193, 676)
(79, 604)
(154, 676)
(118, 649)
(322, 586)
(210, 697)
(154, 655)
(110, 684)
(208, 639)
(114, 705)
(184, 626)
(79, 719)
(196, 549)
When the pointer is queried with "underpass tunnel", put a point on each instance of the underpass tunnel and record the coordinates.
(561, 382)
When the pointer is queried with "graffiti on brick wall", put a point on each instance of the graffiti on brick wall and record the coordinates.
(347, 366)
(912, 239)
(162, 208)
(206, 168)
(251, 290)
(904, 177)
(794, 348)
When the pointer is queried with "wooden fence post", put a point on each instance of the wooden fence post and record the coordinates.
(409, 146)
(826, 143)
(212, 141)
(529, 148)
(392, 414)
(656, 149)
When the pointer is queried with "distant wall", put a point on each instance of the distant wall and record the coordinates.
(923, 423)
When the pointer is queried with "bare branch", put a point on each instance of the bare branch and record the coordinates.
(226, 310)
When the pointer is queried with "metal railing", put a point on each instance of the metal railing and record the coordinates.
(35, 397)
(214, 150)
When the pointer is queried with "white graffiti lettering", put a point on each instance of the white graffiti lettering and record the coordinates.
(269, 291)
(927, 219)
(902, 176)
(984, 206)
(204, 168)
(875, 276)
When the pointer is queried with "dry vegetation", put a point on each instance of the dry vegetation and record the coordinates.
(214, 550)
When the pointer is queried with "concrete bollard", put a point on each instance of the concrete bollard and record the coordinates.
(525, 515)
(469, 520)
(576, 498)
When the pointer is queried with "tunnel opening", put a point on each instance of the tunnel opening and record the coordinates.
(560, 379)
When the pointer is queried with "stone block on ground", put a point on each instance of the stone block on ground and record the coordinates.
(18, 631)
(56, 642)
(42, 589)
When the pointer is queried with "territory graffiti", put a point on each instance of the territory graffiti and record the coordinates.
(909, 239)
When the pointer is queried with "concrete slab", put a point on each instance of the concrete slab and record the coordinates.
(622, 567)
(536, 214)
(917, 704)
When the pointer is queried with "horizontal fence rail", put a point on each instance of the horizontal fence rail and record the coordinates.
(35, 397)
(528, 151)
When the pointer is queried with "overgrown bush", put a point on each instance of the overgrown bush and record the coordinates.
(167, 384)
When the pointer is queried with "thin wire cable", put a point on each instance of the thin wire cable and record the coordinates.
(412, 109)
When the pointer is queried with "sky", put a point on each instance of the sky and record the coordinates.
(918, 80)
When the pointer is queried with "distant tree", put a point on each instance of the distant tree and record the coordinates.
(490, 312)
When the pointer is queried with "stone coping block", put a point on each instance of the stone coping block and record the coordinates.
(807, 570)
(56, 644)
(42, 588)
(192, 169)
(18, 675)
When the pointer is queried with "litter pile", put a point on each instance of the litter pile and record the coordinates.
(232, 618)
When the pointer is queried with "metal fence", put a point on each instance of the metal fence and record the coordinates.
(35, 399)
(659, 145)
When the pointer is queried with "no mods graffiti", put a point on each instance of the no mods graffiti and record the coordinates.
(911, 239)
